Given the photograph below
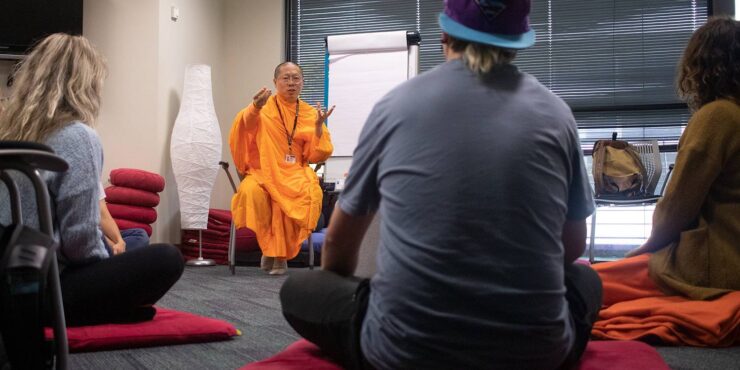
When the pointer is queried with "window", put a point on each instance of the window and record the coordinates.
(612, 61)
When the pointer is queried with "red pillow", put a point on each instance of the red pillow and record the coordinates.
(222, 215)
(137, 179)
(601, 355)
(126, 224)
(299, 355)
(144, 215)
(618, 355)
(131, 196)
(168, 327)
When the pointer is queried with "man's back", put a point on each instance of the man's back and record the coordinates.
(474, 180)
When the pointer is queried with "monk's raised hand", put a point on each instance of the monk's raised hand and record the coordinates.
(322, 114)
(260, 98)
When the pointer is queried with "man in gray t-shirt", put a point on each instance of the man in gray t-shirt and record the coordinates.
(477, 172)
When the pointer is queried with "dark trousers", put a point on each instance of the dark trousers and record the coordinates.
(134, 238)
(328, 310)
(121, 288)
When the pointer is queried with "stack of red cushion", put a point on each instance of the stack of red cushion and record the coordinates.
(132, 197)
(215, 239)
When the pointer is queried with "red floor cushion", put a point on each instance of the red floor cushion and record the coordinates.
(168, 327)
(131, 196)
(601, 355)
(145, 215)
(137, 179)
(618, 355)
(126, 224)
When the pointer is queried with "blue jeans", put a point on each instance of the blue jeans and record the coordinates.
(134, 238)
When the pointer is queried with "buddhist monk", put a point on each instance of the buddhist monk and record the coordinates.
(272, 142)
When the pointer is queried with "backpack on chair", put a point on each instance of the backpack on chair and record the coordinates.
(618, 170)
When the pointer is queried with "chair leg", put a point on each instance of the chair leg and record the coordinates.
(232, 249)
(592, 238)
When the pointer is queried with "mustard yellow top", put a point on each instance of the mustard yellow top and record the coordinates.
(279, 200)
(699, 215)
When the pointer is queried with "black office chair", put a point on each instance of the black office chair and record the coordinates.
(28, 255)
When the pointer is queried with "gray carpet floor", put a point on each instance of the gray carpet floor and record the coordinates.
(249, 300)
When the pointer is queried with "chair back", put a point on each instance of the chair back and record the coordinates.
(649, 153)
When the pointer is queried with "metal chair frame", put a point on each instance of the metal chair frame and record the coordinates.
(649, 152)
(29, 160)
(232, 232)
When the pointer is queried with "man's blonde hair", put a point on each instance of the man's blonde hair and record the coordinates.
(480, 58)
(60, 81)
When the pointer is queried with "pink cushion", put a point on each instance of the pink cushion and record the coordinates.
(599, 355)
(137, 179)
(126, 224)
(145, 215)
(297, 356)
(131, 196)
(168, 327)
(618, 355)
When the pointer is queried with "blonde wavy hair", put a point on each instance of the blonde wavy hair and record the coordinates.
(710, 65)
(480, 58)
(59, 82)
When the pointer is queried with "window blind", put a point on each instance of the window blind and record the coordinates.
(612, 61)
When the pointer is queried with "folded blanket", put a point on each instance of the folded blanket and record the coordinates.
(137, 179)
(126, 224)
(634, 308)
(131, 196)
(145, 215)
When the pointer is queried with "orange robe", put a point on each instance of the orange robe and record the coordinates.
(279, 201)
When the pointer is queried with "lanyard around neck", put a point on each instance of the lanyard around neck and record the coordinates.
(295, 123)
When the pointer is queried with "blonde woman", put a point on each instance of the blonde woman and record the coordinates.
(55, 101)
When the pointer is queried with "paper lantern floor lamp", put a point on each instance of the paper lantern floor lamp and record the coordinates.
(195, 148)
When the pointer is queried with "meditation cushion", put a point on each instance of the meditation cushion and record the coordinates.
(222, 215)
(317, 239)
(131, 196)
(168, 327)
(126, 224)
(137, 179)
(611, 355)
(145, 215)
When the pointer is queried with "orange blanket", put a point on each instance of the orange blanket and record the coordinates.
(634, 308)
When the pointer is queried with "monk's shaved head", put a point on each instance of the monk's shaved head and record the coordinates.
(279, 66)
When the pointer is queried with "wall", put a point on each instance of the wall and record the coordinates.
(147, 55)
(125, 33)
(254, 38)
(195, 38)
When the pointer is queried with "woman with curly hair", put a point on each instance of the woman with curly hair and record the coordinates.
(696, 225)
(682, 286)
(55, 101)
